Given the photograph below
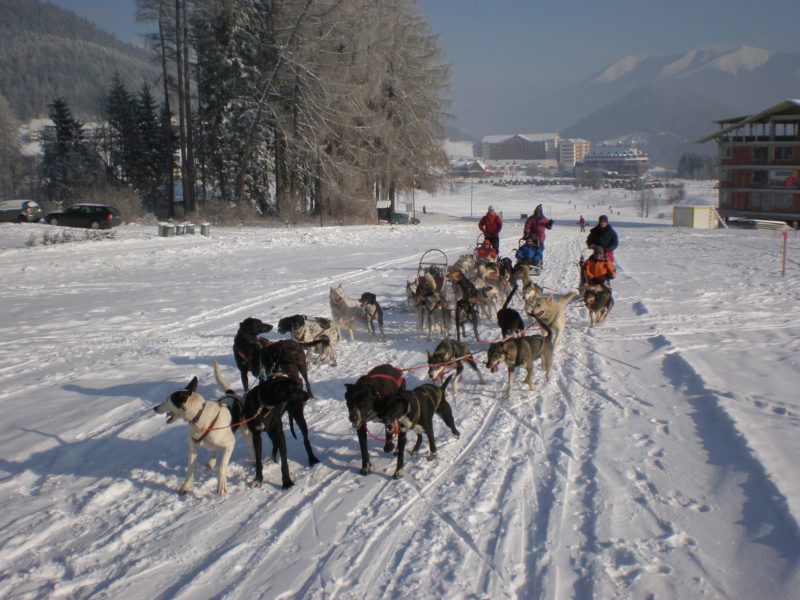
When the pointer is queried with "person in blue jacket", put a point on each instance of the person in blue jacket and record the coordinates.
(530, 253)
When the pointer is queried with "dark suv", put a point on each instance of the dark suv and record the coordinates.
(20, 211)
(92, 216)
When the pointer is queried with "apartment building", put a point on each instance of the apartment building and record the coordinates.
(571, 151)
(759, 163)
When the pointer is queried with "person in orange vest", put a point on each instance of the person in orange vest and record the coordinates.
(486, 251)
(491, 224)
(600, 270)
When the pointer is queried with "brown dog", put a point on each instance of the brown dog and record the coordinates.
(599, 302)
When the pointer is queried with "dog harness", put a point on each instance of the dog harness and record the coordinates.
(397, 380)
(203, 435)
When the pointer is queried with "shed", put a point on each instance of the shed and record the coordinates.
(696, 217)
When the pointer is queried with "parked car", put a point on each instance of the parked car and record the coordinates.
(92, 216)
(397, 217)
(20, 211)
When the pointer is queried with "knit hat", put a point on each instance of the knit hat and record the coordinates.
(538, 209)
(603, 218)
(490, 209)
(599, 251)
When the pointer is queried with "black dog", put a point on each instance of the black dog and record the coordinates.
(509, 320)
(466, 313)
(414, 410)
(288, 358)
(262, 409)
(245, 345)
(382, 380)
(369, 302)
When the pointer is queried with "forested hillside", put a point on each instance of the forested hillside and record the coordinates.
(47, 52)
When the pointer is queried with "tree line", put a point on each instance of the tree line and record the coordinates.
(291, 108)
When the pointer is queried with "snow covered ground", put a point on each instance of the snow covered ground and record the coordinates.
(660, 461)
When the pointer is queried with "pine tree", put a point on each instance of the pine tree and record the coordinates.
(69, 165)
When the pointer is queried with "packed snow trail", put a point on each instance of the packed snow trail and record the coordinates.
(642, 469)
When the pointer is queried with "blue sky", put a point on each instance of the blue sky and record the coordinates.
(525, 48)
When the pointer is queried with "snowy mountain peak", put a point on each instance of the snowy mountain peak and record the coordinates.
(618, 69)
(733, 61)
(741, 60)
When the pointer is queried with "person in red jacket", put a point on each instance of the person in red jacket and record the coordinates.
(486, 251)
(491, 224)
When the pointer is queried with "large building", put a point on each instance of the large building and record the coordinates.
(520, 146)
(571, 151)
(613, 160)
(759, 158)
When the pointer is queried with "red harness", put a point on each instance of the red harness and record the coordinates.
(397, 380)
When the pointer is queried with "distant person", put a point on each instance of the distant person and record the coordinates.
(491, 224)
(536, 225)
(424, 211)
(582, 223)
(603, 236)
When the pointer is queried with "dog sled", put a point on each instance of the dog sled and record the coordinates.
(433, 262)
(534, 268)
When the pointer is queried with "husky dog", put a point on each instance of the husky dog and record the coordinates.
(550, 309)
(448, 353)
(522, 352)
(346, 311)
(374, 312)
(433, 307)
(411, 290)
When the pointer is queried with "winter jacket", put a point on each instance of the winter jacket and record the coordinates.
(599, 271)
(536, 225)
(491, 224)
(605, 237)
(530, 253)
(485, 252)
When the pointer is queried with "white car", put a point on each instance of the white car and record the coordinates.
(19, 211)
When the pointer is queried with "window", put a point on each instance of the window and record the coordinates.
(725, 198)
(758, 201)
(725, 174)
(783, 153)
(726, 151)
(782, 201)
(760, 177)
(759, 153)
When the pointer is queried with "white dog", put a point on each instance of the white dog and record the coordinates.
(209, 427)
(550, 309)
(346, 311)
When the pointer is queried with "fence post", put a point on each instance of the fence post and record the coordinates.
(783, 260)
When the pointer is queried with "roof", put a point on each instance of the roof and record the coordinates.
(530, 137)
(787, 107)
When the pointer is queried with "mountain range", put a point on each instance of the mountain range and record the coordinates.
(664, 103)
(49, 52)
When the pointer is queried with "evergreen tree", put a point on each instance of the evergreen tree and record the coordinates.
(69, 165)
(10, 152)
(120, 113)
